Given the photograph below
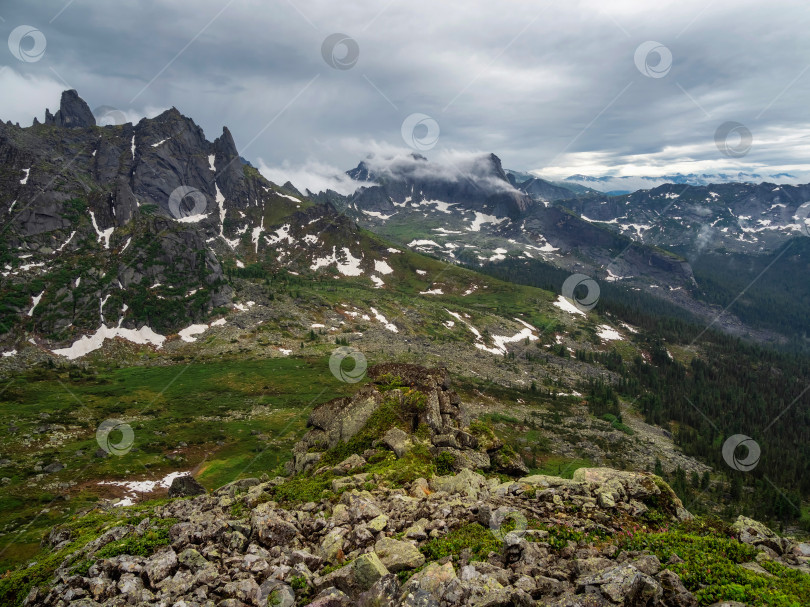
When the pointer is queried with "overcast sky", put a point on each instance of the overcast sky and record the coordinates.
(552, 87)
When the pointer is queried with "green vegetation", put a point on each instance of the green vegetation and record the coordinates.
(474, 537)
(616, 422)
(236, 418)
(564, 467)
(444, 463)
(559, 535)
(711, 567)
(144, 545)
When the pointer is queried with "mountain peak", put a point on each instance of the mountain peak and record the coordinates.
(73, 112)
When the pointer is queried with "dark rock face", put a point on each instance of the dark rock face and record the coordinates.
(76, 195)
(73, 112)
(185, 486)
(540, 189)
(483, 186)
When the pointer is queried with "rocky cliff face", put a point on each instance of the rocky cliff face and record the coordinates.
(127, 226)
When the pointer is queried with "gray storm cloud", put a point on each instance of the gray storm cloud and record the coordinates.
(550, 87)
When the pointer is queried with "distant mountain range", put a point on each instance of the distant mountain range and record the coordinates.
(482, 215)
(616, 184)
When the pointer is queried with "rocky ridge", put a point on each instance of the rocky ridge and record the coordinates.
(422, 398)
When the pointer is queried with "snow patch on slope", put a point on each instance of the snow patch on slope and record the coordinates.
(89, 343)
(103, 235)
(565, 305)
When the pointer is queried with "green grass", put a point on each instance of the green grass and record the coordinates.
(238, 419)
(554, 465)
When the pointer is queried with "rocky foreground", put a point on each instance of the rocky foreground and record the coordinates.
(362, 549)
(368, 530)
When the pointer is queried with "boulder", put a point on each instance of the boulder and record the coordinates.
(466, 482)
(273, 593)
(185, 486)
(361, 505)
(675, 593)
(367, 569)
(397, 555)
(331, 597)
(245, 590)
(377, 524)
(750, 531)
(419, 598)
(159, 566)
(509, 463)
(623, 584)
(350, 463)
(342, 418)
(432, 581)
(332, 544)
(383, 593)
(192, 559)
(398, 441)
(270, 528)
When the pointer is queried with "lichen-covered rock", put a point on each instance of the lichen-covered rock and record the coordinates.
(350, 463)
(332, 544)
(383, 593)
(331, 597)
(466, 482)
(270, 527)
(397, 555)
(245, 590)
(434, 580)
(367, 569)
(158, 566)
(398, 441)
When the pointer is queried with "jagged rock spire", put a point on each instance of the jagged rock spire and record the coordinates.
(73, 112)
